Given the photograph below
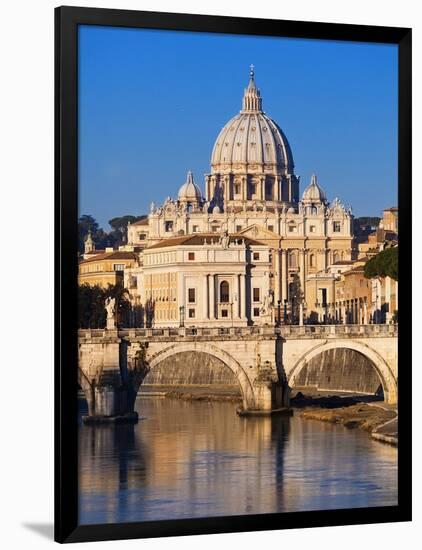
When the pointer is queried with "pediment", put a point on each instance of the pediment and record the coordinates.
(259, 233)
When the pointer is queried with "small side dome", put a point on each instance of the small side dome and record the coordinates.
(189, 192)
(314, 193)
(216, 210)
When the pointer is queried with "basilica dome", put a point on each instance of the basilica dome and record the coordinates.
(252, 139)
(189, 191)
(314, 193)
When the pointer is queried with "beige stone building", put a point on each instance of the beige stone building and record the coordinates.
(251, 197)
(105, 268)
(390, 220)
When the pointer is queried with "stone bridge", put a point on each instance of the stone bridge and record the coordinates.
(265, 360)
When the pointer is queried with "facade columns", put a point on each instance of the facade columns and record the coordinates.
(226, 189)
(277, 277)
(205, 298)
(212, 296)
(236, 312)
(277, 196)
(302, 270)
(242, 297)
(283, 278)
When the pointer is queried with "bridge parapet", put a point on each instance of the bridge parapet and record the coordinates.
(338, 331)
(175, 333)
(253, 332)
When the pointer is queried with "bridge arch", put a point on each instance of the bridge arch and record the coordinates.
(384, 371)
(207, 348)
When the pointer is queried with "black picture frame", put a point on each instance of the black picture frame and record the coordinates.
(67, 20)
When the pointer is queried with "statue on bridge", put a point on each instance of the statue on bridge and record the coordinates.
(110, 307)
(267, 304)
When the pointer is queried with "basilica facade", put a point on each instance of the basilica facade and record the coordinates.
(248, 249)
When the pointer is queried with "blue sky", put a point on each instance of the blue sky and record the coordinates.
(151, 104)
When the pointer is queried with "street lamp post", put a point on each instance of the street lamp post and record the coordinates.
(182, 316)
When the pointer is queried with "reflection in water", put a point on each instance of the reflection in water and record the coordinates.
(198, 459)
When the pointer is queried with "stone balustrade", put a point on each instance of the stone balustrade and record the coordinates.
(286, 331)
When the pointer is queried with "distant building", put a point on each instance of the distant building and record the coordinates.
(390, 220)
(105, 268)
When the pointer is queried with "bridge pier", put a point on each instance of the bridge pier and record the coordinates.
(111, 404)
(103, 377)
(270, 397)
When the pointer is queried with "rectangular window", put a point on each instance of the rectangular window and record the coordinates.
(256, 294)
(256, 255)
(237, 189)
(191, 255)
(195, 229)
(270, 228)
(238, 228)
(169, 226)
(119, 267)
(191, 295)
(191, 313)
(142, 236)
(292, 228)
(312, 229)
(224, 313)
(336, 227)
(256, 311)
(215, 228)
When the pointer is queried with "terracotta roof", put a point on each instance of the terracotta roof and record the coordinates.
(198, 239)
(357, 269)
(116, 255)
(140, 222)
(343, 262)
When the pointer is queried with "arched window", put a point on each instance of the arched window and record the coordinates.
(312, 260)
(224, 292)
(312, 209)
(336, 257)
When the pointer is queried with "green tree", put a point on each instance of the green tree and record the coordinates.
(384, 264)
(91, 304)
(119, 227)
(86, 223)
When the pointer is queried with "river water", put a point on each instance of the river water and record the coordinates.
(199, 459)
